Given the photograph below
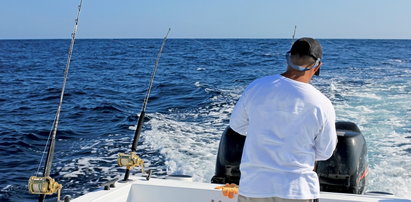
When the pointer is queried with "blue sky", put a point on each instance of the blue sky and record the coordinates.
(44, 19)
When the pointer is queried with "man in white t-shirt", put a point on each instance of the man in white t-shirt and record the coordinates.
(288, 125)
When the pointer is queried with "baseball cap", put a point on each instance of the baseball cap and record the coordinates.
(309, 47)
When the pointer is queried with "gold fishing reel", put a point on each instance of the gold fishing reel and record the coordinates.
(44, 185)
(130, 161)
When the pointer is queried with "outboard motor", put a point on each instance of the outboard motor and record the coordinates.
(344, 172)
(230, 150)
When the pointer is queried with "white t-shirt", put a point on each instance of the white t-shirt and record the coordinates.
(289, 125)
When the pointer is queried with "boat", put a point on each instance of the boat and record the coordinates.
(343, 177)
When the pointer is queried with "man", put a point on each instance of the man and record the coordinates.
(289, 125)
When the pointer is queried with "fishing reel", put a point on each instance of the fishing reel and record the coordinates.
(44, 185)
(130, 161)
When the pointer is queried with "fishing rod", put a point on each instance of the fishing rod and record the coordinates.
(131, 160)
(295, 29)
(46, 185)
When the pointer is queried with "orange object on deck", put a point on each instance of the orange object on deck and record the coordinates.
(229, 190)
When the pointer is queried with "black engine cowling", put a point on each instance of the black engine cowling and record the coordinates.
(347, 168)
(344, 172)
(227, 169)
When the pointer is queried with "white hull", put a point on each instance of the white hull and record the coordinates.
(169, 190)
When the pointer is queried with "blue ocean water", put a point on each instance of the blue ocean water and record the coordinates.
(195, 89)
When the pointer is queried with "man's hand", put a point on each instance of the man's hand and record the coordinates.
(229, 190)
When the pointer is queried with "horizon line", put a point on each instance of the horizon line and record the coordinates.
(194, 38)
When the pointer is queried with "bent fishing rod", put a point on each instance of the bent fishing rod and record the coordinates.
(131, 160)
(46, 185)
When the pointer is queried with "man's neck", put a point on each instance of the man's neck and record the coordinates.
(297, 76)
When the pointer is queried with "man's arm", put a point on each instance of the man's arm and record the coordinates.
(239, 117)
(326, 140)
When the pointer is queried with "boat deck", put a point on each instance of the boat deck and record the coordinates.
(169, 190)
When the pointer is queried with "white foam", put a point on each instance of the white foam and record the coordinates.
(397, 60)
(132, 127)
(380, 108)
(190, 147)
(333, 87)
(6, 188)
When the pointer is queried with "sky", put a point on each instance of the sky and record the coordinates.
(352, 19)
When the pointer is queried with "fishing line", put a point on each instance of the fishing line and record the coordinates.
(56, 120)
(46, 185)
(45, 147)
(53, 129)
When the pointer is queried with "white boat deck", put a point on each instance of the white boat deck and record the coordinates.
(168, 190)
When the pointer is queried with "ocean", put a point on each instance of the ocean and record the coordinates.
(197, 84)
